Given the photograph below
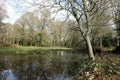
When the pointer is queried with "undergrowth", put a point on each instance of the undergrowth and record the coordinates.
(106, 67)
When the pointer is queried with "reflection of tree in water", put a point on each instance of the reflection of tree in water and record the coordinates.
(43, 66)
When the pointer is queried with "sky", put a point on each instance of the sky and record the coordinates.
(16, 8)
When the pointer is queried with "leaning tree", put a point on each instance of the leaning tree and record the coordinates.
(83, 11)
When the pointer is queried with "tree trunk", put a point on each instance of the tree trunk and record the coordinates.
(118, 35)
(90, 49)
(118, 41)
(101, 42)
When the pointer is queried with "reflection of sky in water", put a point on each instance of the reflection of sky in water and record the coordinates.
(57, 65)
(61, 77)
(7, 75)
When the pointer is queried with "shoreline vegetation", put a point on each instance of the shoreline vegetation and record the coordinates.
(28, 49)
(15, 48)
(106, 67)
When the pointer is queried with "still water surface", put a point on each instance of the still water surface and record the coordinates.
(45, 65)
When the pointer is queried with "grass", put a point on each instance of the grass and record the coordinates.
(27, 49)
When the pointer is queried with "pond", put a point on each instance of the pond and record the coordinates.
(44, 65)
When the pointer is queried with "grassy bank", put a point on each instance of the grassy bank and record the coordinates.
(27, 49)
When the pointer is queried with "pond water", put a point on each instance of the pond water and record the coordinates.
(45, 65)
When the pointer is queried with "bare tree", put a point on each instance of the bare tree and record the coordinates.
(2, 16)
(83, 11)
(115, 7)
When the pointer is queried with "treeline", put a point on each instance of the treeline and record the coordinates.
(30, 30)
(39, 29)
